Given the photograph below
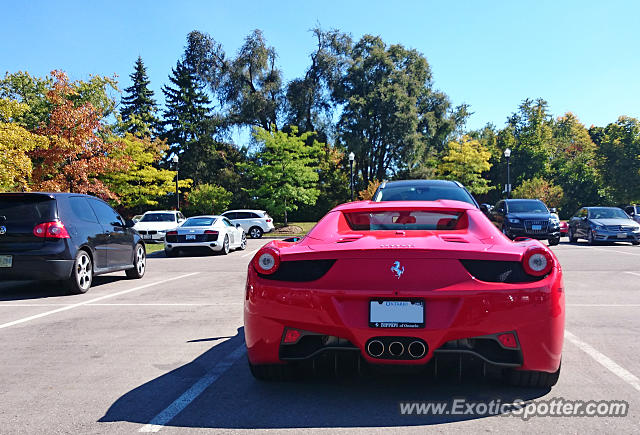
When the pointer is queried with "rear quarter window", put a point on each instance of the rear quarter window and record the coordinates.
(81, 209)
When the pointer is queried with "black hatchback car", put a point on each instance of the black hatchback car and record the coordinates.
(67, 237)
(526, 218)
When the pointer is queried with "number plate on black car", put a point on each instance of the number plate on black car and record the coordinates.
(396, 313)
(6, 261)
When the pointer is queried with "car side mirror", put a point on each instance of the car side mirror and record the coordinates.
(553, 210)
(485, 208)
(238, 226)
(129, 223)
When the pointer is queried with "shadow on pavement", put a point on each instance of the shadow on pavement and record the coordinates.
(24, 290)
(237, 400)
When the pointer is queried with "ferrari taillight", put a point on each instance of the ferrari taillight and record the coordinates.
(267, 260)
(537, 261)
(51, 230)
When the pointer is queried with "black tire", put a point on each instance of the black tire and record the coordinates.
(572, 237)
(255, 232)
(169, 253)
(554, 241)
(635, 243)
(590, 239)
(533, 379)
(271, 372)
(139, 263)
(243, 242)
(225, 245)
(82, 274)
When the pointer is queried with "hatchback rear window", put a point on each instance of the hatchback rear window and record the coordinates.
(23, 209)
(405, 220)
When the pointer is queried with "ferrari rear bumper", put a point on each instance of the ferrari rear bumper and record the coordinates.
(459, 319)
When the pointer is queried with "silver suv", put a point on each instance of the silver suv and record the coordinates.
(254, 222)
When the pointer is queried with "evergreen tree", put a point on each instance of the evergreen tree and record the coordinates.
(139, 108)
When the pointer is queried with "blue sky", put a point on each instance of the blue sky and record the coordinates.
(581, 56)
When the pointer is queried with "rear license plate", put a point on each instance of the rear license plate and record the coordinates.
(190, 237)
(6, 261)
(536, 227)
(389, 313)
(622, 235)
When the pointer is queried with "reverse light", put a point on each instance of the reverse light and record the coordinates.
(291, 336)
(51, 230)
(267, 260)
(508, 340)
(537, 261)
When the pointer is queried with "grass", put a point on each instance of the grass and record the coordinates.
(154, 247)
(305, 226)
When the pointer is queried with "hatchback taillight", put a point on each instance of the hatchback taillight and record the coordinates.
(51, 230)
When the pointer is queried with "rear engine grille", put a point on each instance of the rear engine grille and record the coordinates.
(300, 270)
(528, 226)
(498, 271)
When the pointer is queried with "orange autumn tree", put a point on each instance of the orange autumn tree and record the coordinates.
(77, 154)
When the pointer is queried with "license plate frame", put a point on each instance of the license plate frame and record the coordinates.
(406, 313)
(621, 235)
(190, 237)
(6, 261)
(536, 227)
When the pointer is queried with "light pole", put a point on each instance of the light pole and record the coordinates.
(507, 154)
(352, 157)
(175, 160)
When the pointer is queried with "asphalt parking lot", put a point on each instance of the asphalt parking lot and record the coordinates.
(166, 354)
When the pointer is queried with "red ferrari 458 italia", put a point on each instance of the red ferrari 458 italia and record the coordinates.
(404, 283)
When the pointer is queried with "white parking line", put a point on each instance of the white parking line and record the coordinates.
(251, 253)
(612, 250)
(90, 301)
(633, 273)
(178, 405)
(605, 361)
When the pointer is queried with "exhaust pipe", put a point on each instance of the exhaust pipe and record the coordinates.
(396, 348)
(375, 348)
(417, 349)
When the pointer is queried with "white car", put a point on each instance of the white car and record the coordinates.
(216, 233)
(153, 225)
(254, 222)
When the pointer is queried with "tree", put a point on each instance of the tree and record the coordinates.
(77, 155)
(538, 188)
(141, 184)
(208, 199)
(618, 157)
(392, 118)
(139, 108)
(285, 170)
(465, 161)
(367, 194)
(15, 144)
(187, 121)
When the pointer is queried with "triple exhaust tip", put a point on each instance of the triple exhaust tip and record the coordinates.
(416, 349)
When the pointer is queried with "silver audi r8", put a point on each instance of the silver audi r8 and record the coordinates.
(215, 233)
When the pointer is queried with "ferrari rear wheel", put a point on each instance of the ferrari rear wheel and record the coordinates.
(271, 372)
(533, 379)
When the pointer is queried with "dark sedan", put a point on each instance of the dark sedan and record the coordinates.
(526, 218)
(603, 224)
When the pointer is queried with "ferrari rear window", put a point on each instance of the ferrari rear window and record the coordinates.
(404, 220)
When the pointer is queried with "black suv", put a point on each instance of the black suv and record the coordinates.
(422, 190)
(526, 218)
(67, 237)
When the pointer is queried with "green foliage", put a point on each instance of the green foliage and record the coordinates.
(208, 199)
(285, 170)
(15, 144)
(538, 188)
(139, 108)
(465, 161)
(142, 184)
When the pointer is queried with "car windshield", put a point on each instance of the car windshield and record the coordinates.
(424, 193)
(158, 217)
(532, 206)
(199, 222)
(607, 213)
(404, 220)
